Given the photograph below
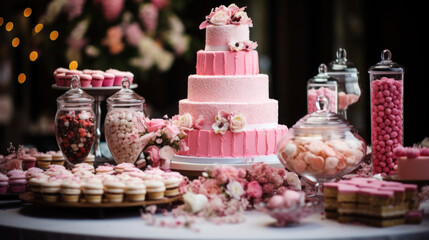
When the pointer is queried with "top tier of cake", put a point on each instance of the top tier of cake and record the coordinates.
(219, 38)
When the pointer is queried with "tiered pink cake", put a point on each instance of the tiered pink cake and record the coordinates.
(239, 121)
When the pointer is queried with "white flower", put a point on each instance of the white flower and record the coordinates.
(234, 189)
(237, 123)
(236, 46)
(219, 18)
(220, 126)
(166, 152)
(183, 122)
(194, 202)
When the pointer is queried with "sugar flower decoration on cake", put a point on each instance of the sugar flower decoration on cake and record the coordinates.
(229, 121)
(227, 15)
(242, 46)
(185, 122)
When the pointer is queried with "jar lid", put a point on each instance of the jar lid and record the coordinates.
(342, 64)
(322, 120)
(76, 97)
(386, 64)
(125, 97)
(322, 76)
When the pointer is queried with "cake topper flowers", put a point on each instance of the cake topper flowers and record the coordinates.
(227, 15)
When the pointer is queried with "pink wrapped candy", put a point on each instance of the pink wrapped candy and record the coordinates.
(312, 95)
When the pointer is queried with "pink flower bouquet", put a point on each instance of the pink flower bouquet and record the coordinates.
(162, 138)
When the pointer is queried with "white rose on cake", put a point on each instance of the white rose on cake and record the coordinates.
(237, 123)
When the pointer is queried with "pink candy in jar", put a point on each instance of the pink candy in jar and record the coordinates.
(124, 124)
(322, 85)
(123, 130)
(321, 146)
(386, 112)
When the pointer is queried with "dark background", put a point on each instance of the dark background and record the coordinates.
(294, 37)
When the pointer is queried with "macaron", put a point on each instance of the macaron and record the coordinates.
(4, 183)
(172, 186)
(58, 158)
(97, 80)
(43, 160)
(135, 190)
(36, 184)
(17, 182)
(70, 189)
(28, 161)
(85, 80)
(51, 189)
(114, 190)
(92, 189)
(155, 189)
(108, 79)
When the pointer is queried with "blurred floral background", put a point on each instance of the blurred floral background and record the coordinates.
(157, 40)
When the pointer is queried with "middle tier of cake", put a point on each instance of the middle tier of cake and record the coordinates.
(258, 114)
(244, 88)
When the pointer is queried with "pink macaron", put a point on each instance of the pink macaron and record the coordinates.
(97, 80)
(85, 80)
(28, 162)
(17, 182)
(108, 79)
(60, 79)
(4, 182)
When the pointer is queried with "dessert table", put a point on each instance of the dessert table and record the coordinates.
(35, 222)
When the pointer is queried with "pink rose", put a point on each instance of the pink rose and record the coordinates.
(268, 188)
(155, 124)
(210, 187)
(254, 189)
(183, 121)
(166, 153)
(153, 152)
(14, 163)
(195, 186)
(171, 131)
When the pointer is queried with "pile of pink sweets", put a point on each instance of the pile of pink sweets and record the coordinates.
(312, 95)
(92, 78)
(386, 122)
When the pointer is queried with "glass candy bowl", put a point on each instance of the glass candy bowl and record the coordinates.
(321, 146)
(124, 124)
(75, 123)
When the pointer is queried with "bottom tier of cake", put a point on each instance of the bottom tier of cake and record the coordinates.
(249, 143)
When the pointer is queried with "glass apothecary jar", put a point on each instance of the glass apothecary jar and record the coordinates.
(347, 77)
(124, 124)
(321, 146)
(322, 84)
(387, 99)
(75, 123)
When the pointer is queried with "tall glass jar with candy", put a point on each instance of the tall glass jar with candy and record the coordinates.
(347, 77)
(124, 124)
(387, 94)
(75, 123)
(322, 85)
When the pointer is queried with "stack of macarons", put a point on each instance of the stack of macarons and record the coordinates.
(92, 78)
(109, 183)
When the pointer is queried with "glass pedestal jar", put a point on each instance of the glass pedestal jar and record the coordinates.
(347, 77)
(322, 84)
(75, 123)
(387, 94)
(124, 124)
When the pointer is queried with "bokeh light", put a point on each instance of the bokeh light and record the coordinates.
(33, 56)
(27, 12)
(54, 35)
(22, 78)
(9, 26)
(1, 21)
(73, 65)
(38, 28)
(15, 42)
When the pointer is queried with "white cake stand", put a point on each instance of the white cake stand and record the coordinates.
(100, 94)
(193, 166)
